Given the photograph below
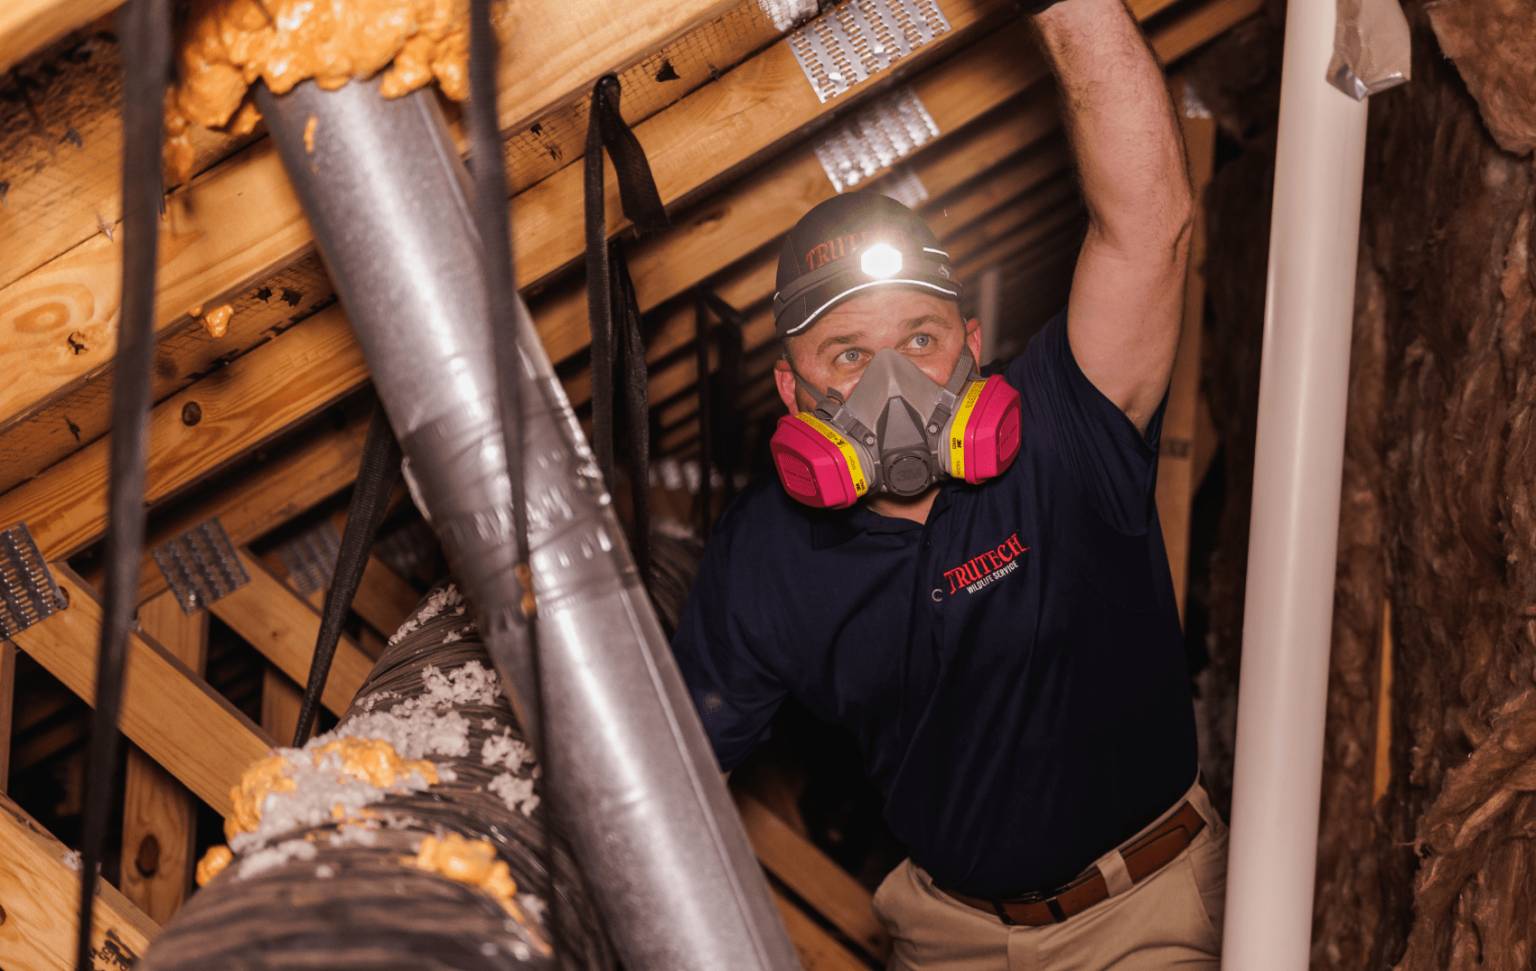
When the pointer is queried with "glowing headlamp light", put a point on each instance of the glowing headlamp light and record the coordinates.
(881, 261)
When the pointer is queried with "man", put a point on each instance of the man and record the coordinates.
(1003, 643)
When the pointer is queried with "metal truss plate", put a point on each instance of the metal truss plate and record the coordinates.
(28, 593)
(905, 187)
(311, 557)
(860, 38)
(201, 566)
(875, 139)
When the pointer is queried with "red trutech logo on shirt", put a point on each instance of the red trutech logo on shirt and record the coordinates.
(979, 571)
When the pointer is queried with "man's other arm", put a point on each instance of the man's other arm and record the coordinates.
(1126, 303)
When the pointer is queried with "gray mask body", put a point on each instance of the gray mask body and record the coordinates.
(897, 417)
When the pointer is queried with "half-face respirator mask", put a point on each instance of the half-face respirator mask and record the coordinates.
(898, 431)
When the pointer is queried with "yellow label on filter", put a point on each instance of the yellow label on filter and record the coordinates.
(860, 483)
(957, 428)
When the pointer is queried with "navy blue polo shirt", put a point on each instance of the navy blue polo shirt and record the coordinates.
(1013, 669)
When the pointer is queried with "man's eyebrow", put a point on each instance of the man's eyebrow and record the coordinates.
(851, 338)
(914, 323)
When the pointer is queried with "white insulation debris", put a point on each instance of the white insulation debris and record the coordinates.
(275, 856)
(505, 750)
(417, 728)
(515, 792)
(441, 600)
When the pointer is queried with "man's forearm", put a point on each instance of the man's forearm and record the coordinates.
(1130, 157)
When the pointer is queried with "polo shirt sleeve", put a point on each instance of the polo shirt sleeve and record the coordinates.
(1067, 417)
(733, 691)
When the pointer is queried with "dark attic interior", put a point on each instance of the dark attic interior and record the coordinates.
(346, 574)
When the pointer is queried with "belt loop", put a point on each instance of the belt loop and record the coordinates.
(1116, 877)
(1002, 912)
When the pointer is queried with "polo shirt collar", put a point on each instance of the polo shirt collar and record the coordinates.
(831, 528)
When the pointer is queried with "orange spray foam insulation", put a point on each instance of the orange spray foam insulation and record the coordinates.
(225, 46)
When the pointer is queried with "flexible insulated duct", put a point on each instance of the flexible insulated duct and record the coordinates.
(326, 895)
(631, 772)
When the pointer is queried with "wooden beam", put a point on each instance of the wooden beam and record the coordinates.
(550, 59)
(181, 357)
(1052, 202)
(39, 896)
(817, 950)
(159, 815)
(283, 626)
(168, 711)
(243, 405)
(1061, 227)
(27, 25)
(281, 700)
(384, 600)
(1176, 483)
(998, 186)
(759, 105)
(275, 491)
(813, 875)
(242, 222)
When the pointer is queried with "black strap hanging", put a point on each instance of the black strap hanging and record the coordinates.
(377, 475)
(490, 208)
(637, 408)
(144, 28)
(611, 295)
(720, 386)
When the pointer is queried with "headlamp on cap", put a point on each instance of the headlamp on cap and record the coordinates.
(881, 261)
(877, 265)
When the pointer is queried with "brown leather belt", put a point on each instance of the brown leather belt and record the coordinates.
(1142, 858)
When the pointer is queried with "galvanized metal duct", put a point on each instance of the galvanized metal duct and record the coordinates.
(631, 771)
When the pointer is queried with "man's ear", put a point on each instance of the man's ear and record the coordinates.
(973, 340)
(784, 380)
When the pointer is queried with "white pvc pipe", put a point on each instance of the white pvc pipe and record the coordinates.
(1303, 390)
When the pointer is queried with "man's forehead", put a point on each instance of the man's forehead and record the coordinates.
(890, 309)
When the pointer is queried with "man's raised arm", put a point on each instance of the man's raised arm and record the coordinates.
(1127, 293)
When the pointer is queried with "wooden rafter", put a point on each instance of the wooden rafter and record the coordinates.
(41, 893)
(26, 25)
(159, 813)
(168, 711)
(241, 222)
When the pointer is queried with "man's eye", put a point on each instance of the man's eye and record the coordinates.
(921, 340)
(848, 357)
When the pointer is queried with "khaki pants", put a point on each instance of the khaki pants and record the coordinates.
(1172, 919)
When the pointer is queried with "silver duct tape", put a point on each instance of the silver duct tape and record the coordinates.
(28, 593)
(875, 139)
(311, 557)
(201, 566)
(863, 37)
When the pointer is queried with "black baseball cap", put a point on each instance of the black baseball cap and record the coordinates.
(849, 245)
